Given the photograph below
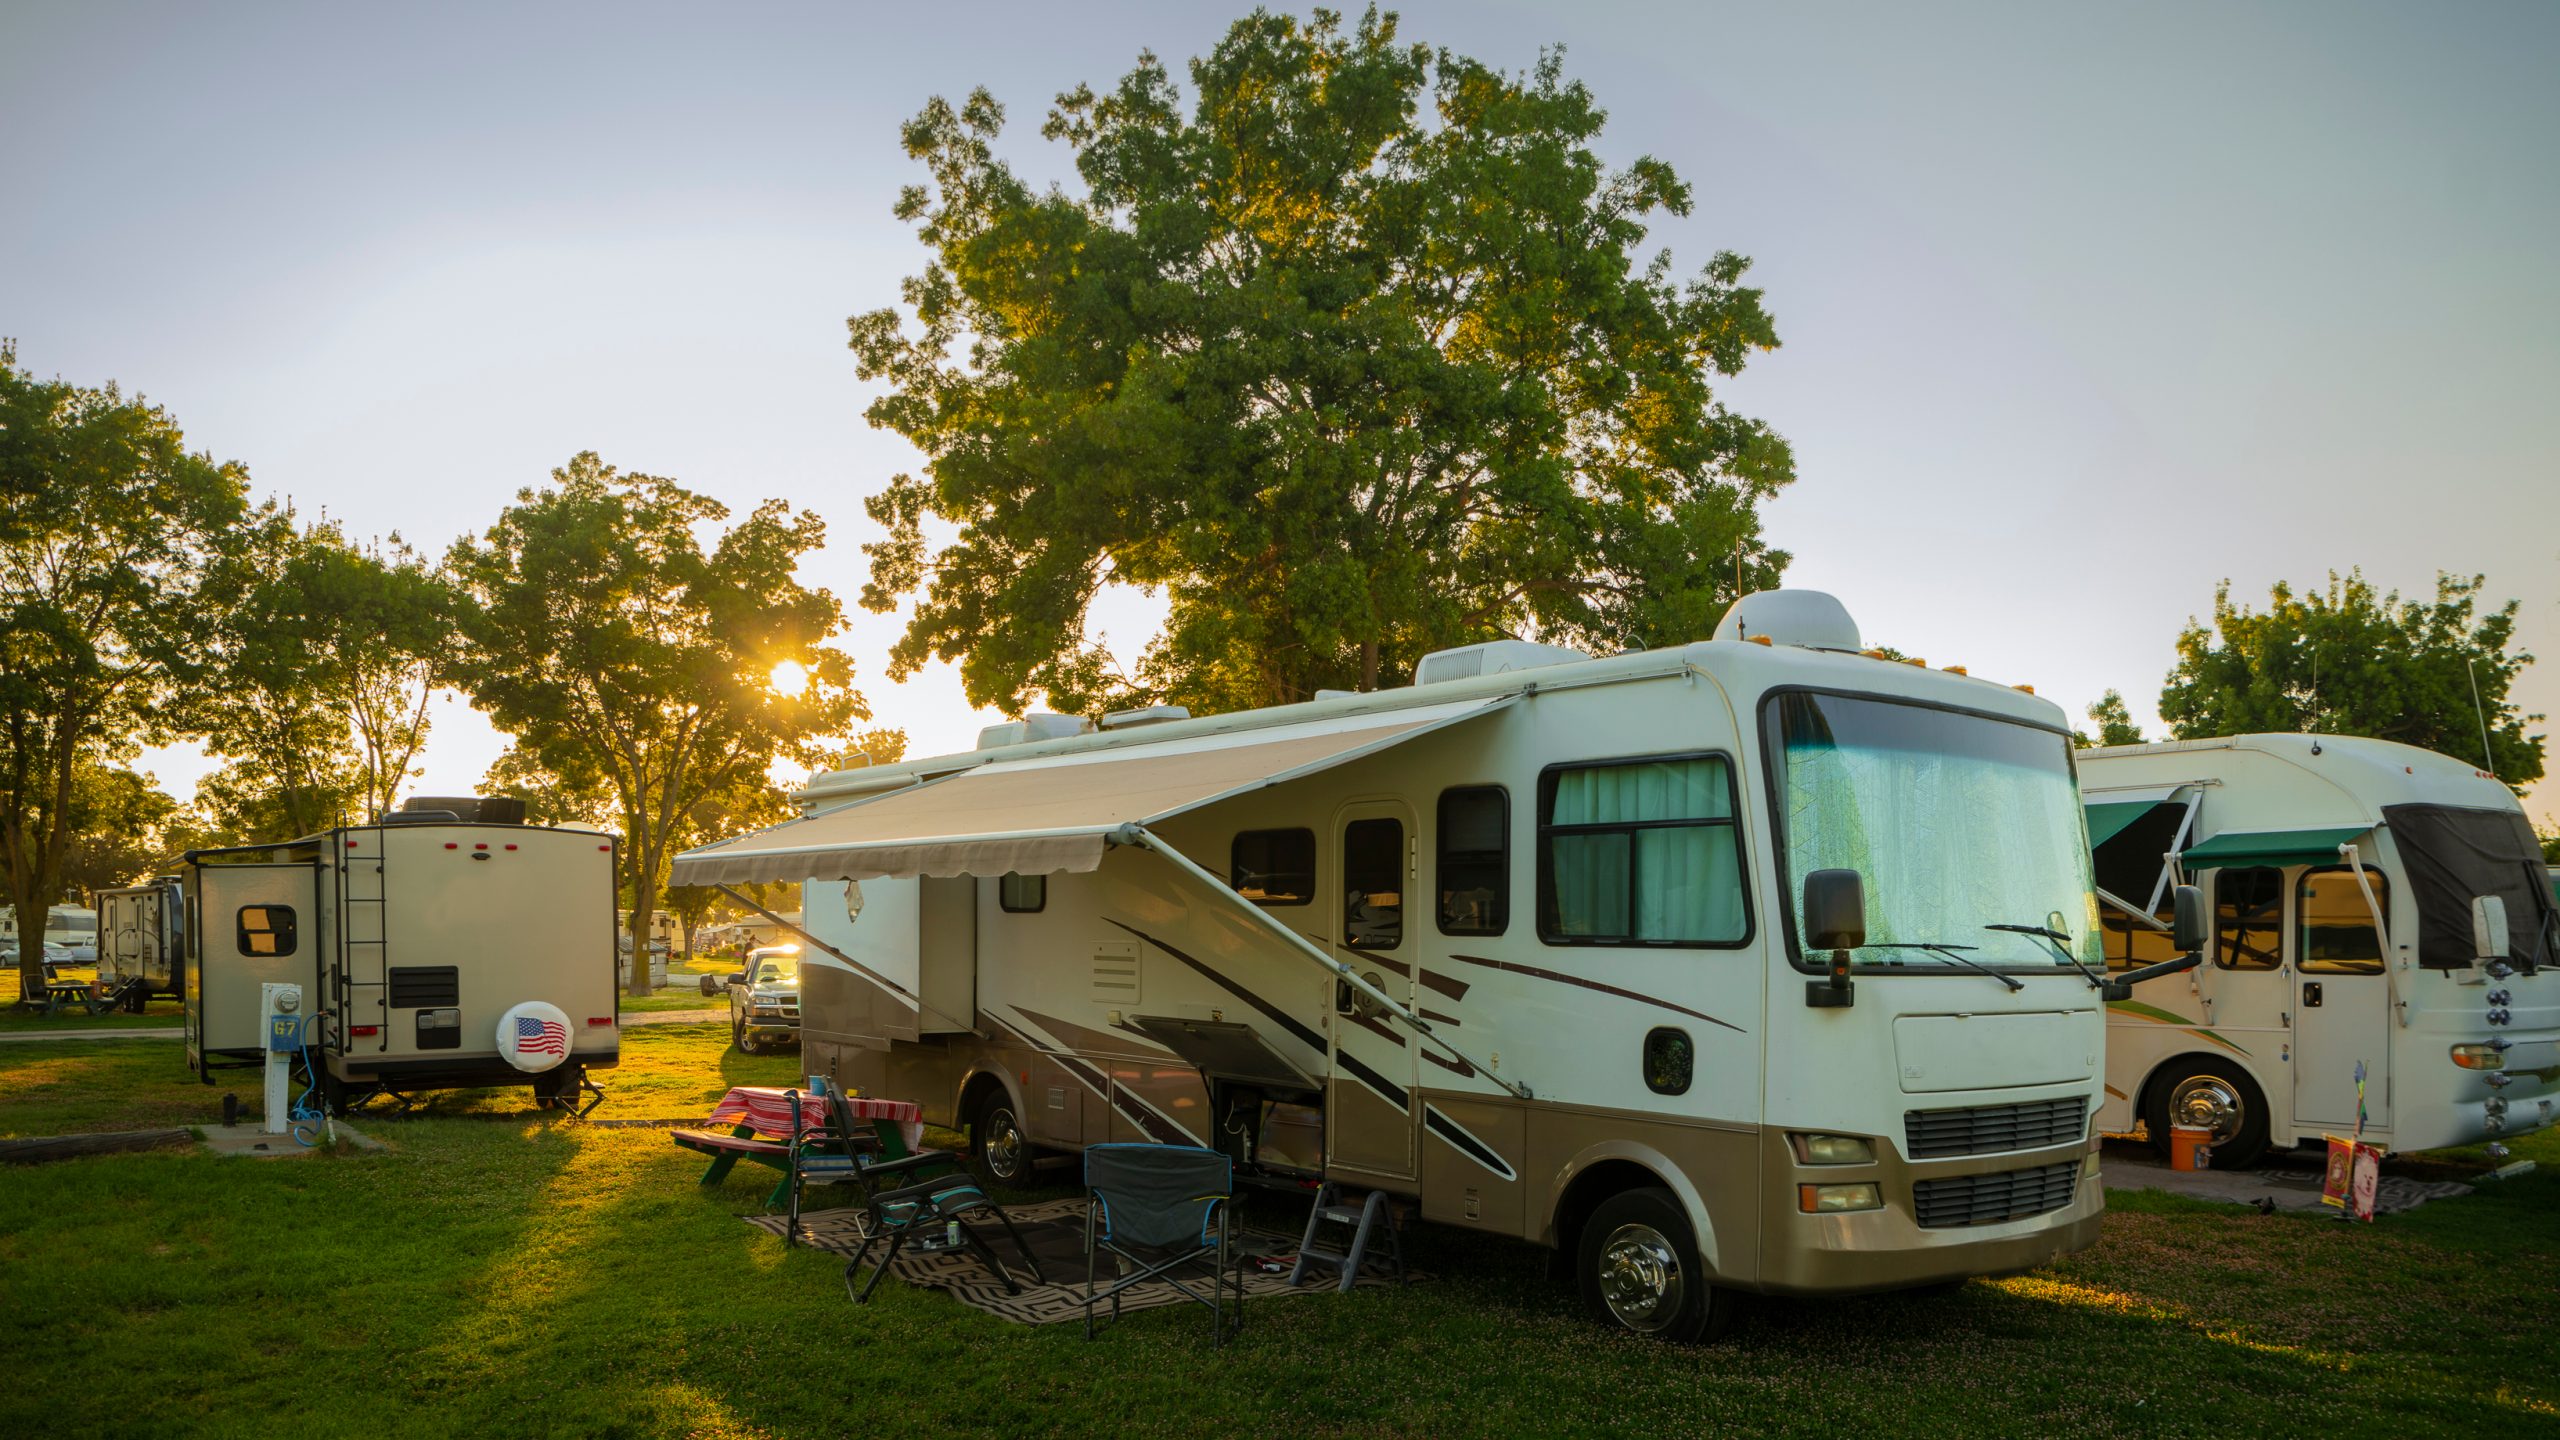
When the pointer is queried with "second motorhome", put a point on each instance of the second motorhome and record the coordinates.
(1749, 965)
(2382, 944)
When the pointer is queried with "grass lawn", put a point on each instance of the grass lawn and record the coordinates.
(495, 1270)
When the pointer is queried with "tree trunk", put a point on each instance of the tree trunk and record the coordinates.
(644, 907)
(30, 946)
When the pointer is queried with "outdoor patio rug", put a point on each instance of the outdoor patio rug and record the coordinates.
(1055, 1229)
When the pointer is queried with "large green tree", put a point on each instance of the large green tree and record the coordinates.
(603, 634)
(331, 657)
(2349, 661)
(109, 531)
(1352, 355)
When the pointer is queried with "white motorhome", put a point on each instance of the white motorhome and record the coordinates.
(71, 931)
(1526, 941)
(2342, 877)
(142, 939)
(447, 946)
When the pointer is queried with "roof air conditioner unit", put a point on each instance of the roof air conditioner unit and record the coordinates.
(1494, 657)
(1037, 726)
(1144, 715)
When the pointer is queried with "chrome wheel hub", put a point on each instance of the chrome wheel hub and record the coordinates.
(1004, 1145)
(1640, 1277)
(2209, 1103)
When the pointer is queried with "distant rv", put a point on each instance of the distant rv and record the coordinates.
(142, 938)
(70, 929)
(2384, 934)
(1708, 966)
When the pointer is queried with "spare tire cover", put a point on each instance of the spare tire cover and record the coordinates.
(534, 1036)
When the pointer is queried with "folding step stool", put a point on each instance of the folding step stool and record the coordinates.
(1371, 1218)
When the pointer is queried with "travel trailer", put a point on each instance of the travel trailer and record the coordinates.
(2354, 887)
(448, 946)
(142, 940)
(1720, 968)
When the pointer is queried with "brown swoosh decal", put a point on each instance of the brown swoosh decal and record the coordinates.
(1535, 973)
(1461, 1067)
(1365, 1023)
(1450, 986)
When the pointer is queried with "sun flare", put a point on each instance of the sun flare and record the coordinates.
(790, 678)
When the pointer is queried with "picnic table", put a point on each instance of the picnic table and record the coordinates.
(756, 1112)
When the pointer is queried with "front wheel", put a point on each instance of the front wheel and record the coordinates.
(1640, 1271)
(2217, 1096)
(741, 1036)
(997, 1141)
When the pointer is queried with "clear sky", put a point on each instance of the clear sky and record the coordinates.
(2083, 309)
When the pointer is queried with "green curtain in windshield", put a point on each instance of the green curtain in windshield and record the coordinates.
(1955, 821)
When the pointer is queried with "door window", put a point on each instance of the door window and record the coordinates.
(2336, 926)
(1022, 894)
(264, 930)
(1373, 876)
(2248, 918)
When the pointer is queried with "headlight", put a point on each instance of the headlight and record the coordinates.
(1832, 1199)
(2491, 1056)
(1832, 1149)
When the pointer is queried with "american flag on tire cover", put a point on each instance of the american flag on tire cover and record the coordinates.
(541, 1037)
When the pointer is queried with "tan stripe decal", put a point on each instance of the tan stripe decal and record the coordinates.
(1535, 973)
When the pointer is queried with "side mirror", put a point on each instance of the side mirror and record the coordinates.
(1835, 910)
(2489, 927)
(2186, 925)
(1835, 919)
(710, 984)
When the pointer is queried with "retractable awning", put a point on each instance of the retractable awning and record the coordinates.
(1052, 813)
(2235, 848)
(2112, 810)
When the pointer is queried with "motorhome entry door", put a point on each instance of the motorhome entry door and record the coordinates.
(1369, 1125)
(2342, 1003)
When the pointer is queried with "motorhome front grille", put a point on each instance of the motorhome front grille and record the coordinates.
(418, 987)
(1989, 1129)
(1988, 1199)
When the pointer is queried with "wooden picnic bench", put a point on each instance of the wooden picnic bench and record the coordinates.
(755, 1111)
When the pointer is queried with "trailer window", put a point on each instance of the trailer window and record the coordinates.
(1022, 894)
(2130, 943)
(264, 929)
(1640, 852)
(2248, 918)
(1473, 873)
(2335, 925)
(1274, 867)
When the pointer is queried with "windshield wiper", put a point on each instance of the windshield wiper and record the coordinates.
(2061, 943)
(1949, 951)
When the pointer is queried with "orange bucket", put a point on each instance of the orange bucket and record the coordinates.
(2190, 1147)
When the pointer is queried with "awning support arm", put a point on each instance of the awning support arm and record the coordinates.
(1143, 838)
(2177, 845)
(865, 971)
(2132, 913)
(2381, 932)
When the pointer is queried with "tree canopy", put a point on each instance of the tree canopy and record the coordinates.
(1352, 356)
(110, 529)
(2114, 720)
(2349, 661)
(618, 650)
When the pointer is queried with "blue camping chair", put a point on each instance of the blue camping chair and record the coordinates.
(1160, 1208)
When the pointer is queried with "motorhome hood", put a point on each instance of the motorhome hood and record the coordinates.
(1054, 813)
(1995, 1051)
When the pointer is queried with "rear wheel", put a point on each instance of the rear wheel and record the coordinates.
(1640, 1271)
(2213, 1094)
(997, 1141)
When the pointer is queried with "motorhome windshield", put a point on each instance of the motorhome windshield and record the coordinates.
(1957, 822)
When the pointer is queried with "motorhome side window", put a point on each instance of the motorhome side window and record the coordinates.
(2248, 918)
(2335, 925)
(1022, 894)
(1274, 867)
(264, 929)
(1640, 852)
(2130, 943)
(1473, 871)
(1373, 878)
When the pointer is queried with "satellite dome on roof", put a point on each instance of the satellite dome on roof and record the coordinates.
(1813, 619)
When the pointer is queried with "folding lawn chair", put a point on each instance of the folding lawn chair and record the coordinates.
(1161, 1207)
(850, 1153)
(933, 1215)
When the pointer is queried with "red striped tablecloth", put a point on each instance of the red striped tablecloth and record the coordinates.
(766, 1109)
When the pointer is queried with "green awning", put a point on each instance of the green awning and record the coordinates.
(2107, 818)
(2235, 848)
